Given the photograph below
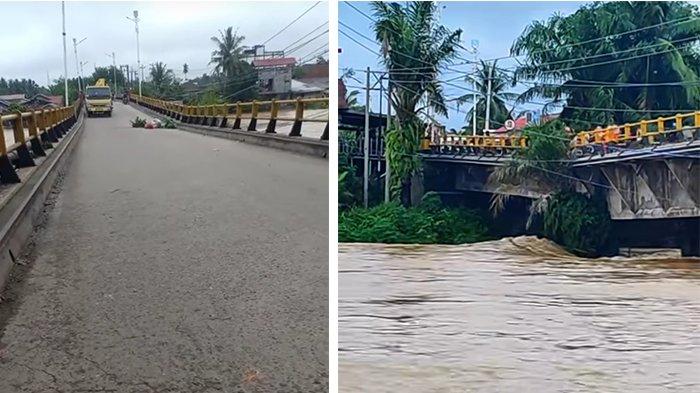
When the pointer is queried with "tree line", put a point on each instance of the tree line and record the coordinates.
(232, 79)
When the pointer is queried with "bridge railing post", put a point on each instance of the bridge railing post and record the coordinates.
(223, 111)
(298, 118)
(7, 170)
(252, 126)
(237, 120)
(272, 124)
(643, 132)
(212, 115)
(43, 130)
(24, 158)
(34, 140)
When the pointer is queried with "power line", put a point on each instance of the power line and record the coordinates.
(306, 43)
(681, 20)
(292, 22)
(306, 35)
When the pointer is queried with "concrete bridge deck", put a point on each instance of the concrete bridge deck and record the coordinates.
(173, 262)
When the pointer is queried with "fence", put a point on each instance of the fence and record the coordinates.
(219, 115)
(46, 127)
(643, 133)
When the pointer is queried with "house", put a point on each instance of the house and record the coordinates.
(41, 101)
(275, 76)
(313, 74)
(525, 118)
(13, 98)
(306, 90)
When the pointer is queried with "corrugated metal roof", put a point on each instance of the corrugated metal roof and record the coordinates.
(274, 62)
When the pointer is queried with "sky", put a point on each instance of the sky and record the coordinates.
(171, 32)
(494, 24)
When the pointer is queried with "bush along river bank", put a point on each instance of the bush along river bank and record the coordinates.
(572, 220)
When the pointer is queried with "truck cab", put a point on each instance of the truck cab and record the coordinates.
(98, 99)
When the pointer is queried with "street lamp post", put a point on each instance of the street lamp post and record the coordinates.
(135, 19)
(82, 63)
(77, 63)
(65, 59)
(114, 66)
(475, 48)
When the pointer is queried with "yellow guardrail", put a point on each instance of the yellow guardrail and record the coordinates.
(45, 127)
(647, 131)
(220, 114)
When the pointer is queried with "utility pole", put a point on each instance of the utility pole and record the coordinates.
(488, 100)
(82, 63)
(387, 173)
(138, 49)
(65, 58)
(77, 63)
(365, 177)
(475, 48)
(114, 70)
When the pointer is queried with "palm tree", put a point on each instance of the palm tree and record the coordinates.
(162, 78)
(415, 48)
(160, 74)
(500, 83)
(575, 60)
(228, 53)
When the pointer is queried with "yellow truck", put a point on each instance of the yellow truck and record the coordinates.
(98, 99)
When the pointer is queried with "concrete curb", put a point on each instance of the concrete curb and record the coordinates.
(301, 145)
(20, 212)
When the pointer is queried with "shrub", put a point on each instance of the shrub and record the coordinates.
(168, 123)
(138, 122)
(578, 223)
(428, 223)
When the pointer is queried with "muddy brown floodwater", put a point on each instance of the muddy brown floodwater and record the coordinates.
(515, 315)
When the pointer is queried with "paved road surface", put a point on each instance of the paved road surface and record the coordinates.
(174, 262)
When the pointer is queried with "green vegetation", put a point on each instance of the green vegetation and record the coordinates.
(577, 74)
(138, 122)
(571, 219)
(168, 123)
(412, 38)
(578, 223)
(500, 83)
(429, 222)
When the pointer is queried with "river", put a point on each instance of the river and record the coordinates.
(515, 315)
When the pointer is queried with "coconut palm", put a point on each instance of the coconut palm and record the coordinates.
(228, 53)
(162, 79)
(560, 54)
(500, 96)
(161, 75)
(415, 48)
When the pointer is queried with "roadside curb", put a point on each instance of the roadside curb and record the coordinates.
(19, 214)
(300, 145)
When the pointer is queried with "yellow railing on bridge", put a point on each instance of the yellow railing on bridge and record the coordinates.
(646, 133)
(44, 126)
(219, 115)
(649, 131)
